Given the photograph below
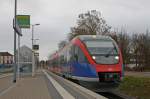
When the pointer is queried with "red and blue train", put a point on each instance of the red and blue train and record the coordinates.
(89, 58)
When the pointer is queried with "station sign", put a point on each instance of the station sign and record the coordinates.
(35, 47)
(36, 54)
(23, 21)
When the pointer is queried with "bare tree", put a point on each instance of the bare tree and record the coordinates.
(123, 41)
(62, 44)
(90, 23)
(135, 47)
(141, 47)
(144, 49)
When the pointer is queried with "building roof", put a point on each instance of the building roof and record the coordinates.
(5, 54)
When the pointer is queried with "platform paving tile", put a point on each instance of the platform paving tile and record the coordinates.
(28, 88)
(5, 82)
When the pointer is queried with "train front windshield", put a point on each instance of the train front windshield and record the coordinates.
(103, 51)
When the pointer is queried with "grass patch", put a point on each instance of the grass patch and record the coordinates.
(138, 87)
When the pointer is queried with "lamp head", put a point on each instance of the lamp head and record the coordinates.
(37, 24)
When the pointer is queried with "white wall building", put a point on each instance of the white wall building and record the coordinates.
(6, 58)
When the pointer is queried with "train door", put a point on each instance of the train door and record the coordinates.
(81, 63)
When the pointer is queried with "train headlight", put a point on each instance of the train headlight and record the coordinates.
(117, 57)
(94, 57)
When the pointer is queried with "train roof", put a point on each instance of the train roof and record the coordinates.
(91, 37)
(86, 37)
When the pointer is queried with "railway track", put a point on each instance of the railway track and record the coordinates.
(115, 95)
(109, 92)
(111, 95)
(104, 92)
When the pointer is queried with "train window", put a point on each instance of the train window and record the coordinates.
(76, 50)
(61, 59)
(103, 52)
(72, 54)
(68, 54)
(76, 54)
(65, 57)
(81, 56)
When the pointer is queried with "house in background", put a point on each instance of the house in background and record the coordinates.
(25, 59)
(25, 54)
(6, 58)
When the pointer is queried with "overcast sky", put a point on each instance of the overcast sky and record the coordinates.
(57, 16)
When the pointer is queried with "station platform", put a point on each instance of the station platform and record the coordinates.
(5, 82)
(27, 88)
(44, 85)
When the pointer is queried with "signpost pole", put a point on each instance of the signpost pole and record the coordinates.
(15, 66)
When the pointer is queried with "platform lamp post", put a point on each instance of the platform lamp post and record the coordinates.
(33, 58)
